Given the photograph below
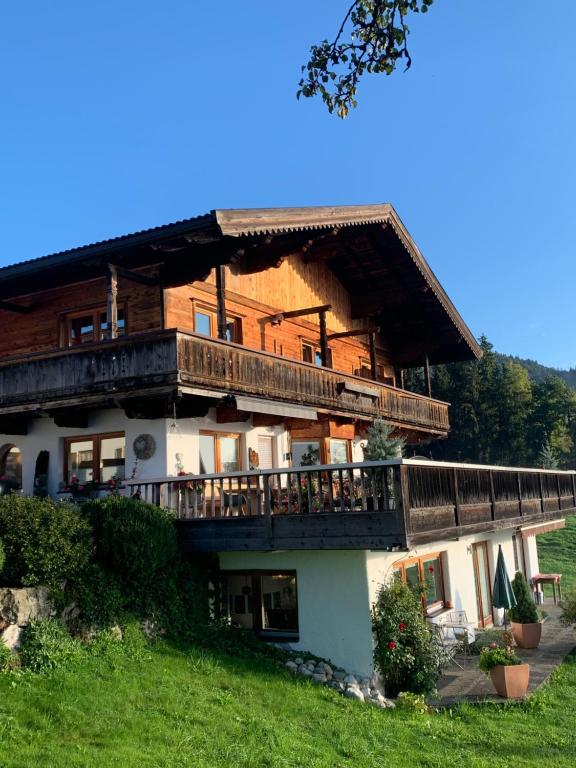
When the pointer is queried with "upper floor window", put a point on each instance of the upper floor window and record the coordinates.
(95, 458)
(365, 371)
(311, 354)
(206, 323)
(91, 326)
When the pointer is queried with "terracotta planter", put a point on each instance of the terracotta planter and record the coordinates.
(511, 682)
(527, 635)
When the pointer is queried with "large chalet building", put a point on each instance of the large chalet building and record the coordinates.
(224, 347)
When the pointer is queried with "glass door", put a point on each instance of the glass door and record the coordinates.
(482, 582)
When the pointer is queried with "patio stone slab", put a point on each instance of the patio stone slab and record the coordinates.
(473, 686)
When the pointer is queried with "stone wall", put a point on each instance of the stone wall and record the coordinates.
(20, 606)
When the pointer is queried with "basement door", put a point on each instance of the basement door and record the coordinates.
(482, 583)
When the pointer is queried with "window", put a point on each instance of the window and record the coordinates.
(311, 354)
(219, 452)
(90, 326)
(206, 323)
(365, 371)
(264, 601)
(11, 465)
(97, 458)
(424, 575)
(307, 453)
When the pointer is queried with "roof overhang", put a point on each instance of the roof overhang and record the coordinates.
(368, 247)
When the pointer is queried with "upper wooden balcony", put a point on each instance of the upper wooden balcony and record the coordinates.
(397, 505)
(145, 365)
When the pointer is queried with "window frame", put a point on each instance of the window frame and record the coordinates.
(419, 561)
(212, 312)
(325, 456)
(217, 453)
(96, 311)
(97, 452)
(258, 602)
(315, 347)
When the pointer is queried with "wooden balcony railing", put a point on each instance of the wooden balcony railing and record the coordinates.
(240, 370)
(133, 365)
(395, 504)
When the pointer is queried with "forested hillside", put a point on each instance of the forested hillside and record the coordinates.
(539, 372)
(503, 411)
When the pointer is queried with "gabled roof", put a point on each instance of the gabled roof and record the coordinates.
(367, 246)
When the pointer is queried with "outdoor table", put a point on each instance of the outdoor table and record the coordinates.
(548, 578)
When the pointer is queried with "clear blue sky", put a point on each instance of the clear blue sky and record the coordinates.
(120, 115)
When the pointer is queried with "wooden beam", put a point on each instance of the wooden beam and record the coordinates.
(358, 332)
(112, 302)
(299, 313)
(373, 362)
(75, 418)
(323, 339)
(13, 425)
(135, 277)
(221, 301)
(427, 378)
(10, 307)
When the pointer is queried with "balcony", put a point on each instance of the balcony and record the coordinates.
(394, 505)
(172, 361)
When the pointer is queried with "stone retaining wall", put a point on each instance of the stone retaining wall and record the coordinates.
(18, 607)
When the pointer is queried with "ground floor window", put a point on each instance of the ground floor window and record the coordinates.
(11, 465)
(219, 452)
(425, 576)
(95, 458)
(326, 450)
(265, 601)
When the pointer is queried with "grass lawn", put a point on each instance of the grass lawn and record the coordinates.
(557, 554)
(186, 707)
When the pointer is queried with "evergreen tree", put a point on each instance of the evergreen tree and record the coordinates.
(547, 458)
(380, 444)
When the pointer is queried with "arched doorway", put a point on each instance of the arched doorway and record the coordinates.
(41, 474)
(10, 468)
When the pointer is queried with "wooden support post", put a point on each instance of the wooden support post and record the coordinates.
(492, 496)
(221, 301)
(399, 377)
(323, 339)
(519, 482)
(541, 486)
(427, 378)
(112, 303)
(456, 496)
(373, 366)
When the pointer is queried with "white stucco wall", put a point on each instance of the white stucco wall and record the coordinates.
(333, 601)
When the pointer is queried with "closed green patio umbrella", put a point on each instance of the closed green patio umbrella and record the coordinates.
(502, 594)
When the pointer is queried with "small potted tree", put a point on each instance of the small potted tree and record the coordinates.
(509, 675)
(524, 621)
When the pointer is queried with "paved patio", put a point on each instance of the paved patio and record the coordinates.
(471, 685)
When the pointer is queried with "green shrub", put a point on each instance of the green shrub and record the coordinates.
(568, 615)
(98, 597)
(524, 612)
(46, 645)
(45, 542)
(134, 540)
(7, 658)
(2, 556)
(494, 657)
(407, 654)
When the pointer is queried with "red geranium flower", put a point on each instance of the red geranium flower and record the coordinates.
(401, 626)
(431, 569)
(391, 645)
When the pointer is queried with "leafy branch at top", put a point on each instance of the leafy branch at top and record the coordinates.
(372, 38)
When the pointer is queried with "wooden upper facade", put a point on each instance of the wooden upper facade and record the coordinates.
(319, 307)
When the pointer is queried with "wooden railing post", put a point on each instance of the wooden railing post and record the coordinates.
(402, 500)
(541, 486)
(492, 496)
(456, 498)
(519, 483)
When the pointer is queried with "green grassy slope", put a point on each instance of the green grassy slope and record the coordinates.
(185, 707)
(557, 553)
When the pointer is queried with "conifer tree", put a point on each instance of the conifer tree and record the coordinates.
(380, 444)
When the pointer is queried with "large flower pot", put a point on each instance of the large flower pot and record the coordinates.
(527, 635)
(511, 682)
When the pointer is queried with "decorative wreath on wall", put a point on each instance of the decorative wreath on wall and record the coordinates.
(144, 447)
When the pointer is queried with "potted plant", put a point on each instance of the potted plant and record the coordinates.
(508, 674)
(524, 620)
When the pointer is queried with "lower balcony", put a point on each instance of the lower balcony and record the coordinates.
(145, 372)
(394, 505)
